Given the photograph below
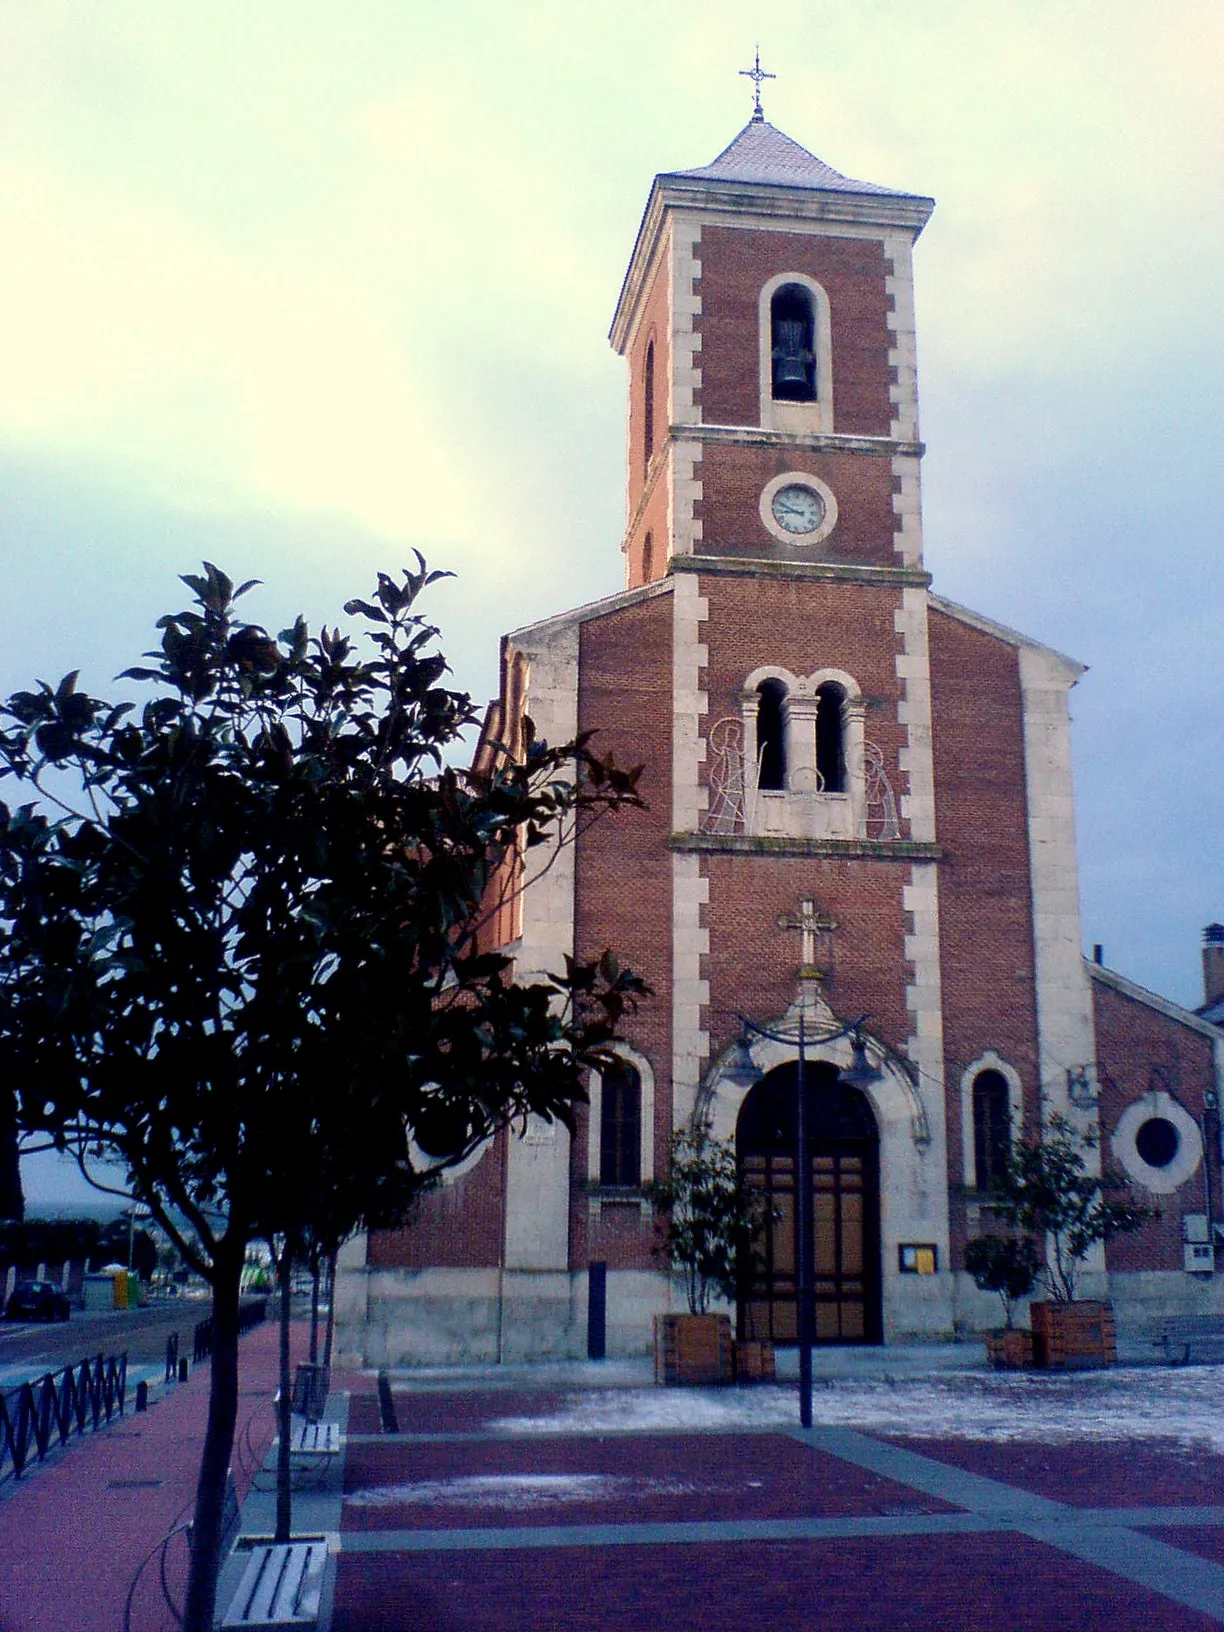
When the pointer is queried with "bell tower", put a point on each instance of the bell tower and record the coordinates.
(768, 319)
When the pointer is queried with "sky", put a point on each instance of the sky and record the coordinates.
(301, 286)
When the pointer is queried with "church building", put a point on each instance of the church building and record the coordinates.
(859, 840)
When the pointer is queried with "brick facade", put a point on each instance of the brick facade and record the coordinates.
(736, 262)
(956, 937)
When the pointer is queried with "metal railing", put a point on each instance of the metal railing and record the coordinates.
(44, 1413)
(250, 1314)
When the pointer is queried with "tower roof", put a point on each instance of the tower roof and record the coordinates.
(762, 174)
(761, 154)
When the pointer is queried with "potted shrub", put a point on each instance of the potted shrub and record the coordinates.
(708, 1225)
(1008, 1265)
(1047, 1191)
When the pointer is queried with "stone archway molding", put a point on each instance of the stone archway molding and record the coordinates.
(894, 1098)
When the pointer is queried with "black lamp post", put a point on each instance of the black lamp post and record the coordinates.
(745, 1072)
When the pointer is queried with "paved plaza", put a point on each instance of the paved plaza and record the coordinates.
(929, 1494)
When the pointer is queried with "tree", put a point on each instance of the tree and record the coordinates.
(710, 1222)
(1047, 1191)
(240, 941)
(1006, 1264)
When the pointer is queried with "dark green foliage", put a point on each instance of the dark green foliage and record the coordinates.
(239, 937)
(1006, 1264)
(709, 1222)
(1048, 1191)
(48, 1241)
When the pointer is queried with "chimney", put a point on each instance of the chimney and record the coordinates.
(1213, 963)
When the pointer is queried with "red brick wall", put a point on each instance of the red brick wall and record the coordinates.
(985, 901)
(753, 965)
(653, 520)
(623, 875)
(804, 625)
(733, 476)
(458, 1226)
(735, 264)
(1132, 1039)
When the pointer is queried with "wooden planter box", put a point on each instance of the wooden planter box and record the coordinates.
(754, 1362)
(1009, 1349)
(1073, 1336)
(693, 1349)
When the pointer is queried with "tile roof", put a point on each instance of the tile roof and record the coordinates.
(760, 153)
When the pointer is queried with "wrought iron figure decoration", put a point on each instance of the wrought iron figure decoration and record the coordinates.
(756, 74)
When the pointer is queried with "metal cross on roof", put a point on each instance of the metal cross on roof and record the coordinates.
(756, 74)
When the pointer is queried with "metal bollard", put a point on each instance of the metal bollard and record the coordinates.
(184, 1367)
(142, 1396)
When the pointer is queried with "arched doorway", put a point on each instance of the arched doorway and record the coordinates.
(844, 1161)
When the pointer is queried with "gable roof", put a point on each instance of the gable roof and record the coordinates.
(762, 154)
(1152, 1000)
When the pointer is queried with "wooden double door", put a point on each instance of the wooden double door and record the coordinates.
(844, 1179)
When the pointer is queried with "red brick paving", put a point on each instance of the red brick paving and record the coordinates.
(913, 1584)
(73, 1532)
(1207, 1542)
(745, 1476)
(428, 1411)
(1138, 1473)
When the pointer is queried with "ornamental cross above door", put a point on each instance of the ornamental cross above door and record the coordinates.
(815, 927)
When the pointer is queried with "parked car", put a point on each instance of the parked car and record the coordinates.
(37, 1300)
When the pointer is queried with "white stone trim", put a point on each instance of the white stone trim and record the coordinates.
(1161, 1181)
(1065, 1031)
(913, 666)
(690, 992)
(683, 528)
(690, 891)
(798, 478)
(684, 306)
(642, 1066)
(907, 507)
(796, 416)
(989, 1061)
(537, 1164)
(903, 354)
(689, 702)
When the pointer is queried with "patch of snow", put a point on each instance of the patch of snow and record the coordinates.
(1177, 1404)
(518, 1491)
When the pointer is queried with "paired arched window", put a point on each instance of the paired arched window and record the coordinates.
(648, 409)
(620, 1126)
(830, 738)
(771, 736)
(792, 336)
(991, 1127)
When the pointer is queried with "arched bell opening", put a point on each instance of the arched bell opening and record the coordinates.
(844, 1179)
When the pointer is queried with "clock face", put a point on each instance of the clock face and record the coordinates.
(798, 510)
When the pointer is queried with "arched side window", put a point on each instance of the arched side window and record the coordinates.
(792, 344)
(991, 1127)
(796, 354)
(648, 384)
(648, 558)
(620, 1127)
(771, 735)
(830, 738)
